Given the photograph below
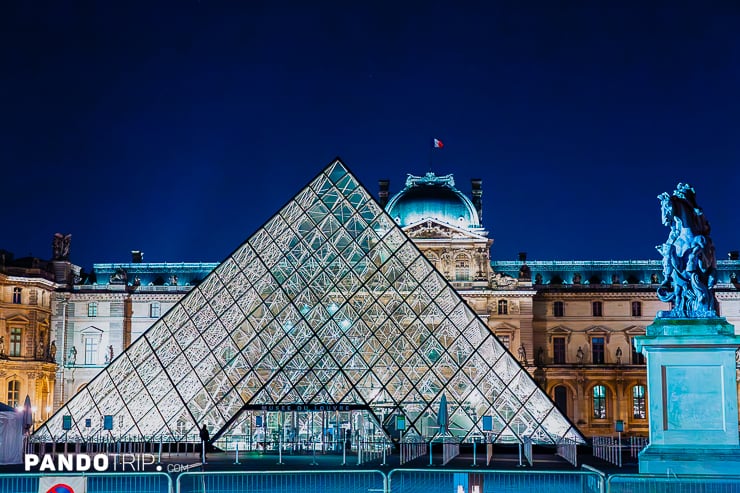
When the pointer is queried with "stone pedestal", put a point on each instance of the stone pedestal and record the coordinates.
(692, 397)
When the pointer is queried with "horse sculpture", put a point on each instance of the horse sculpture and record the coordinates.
(689, 263)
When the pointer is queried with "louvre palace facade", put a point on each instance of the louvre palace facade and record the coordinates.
(568, 324)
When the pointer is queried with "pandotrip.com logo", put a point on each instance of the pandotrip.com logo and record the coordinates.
(97, 463)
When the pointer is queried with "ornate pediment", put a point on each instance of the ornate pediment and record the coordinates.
(599, 330)
(559, 331)
(431, 229)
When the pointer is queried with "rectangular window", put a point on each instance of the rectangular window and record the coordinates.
(91, 350)
(597, 350)
(92, 309)
(558, 350)
(154, 310)
(16, 334)
(462, 269)
(596, 309)
(558, 309)
(636, 309)
(503, 307)
(505, 340)
(637, 358)
(638, 402)
(14, 393)
(17, 296)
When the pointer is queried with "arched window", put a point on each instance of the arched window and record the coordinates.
(14, 393)
(599, 399)
(462, 268)
(561, 398)
(638, 402)
(503, 307)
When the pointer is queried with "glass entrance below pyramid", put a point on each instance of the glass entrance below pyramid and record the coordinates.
(301, 431)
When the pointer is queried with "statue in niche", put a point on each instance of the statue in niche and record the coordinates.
(2, 347)
(109, 355)
(579, 355)
(615, 279)
(654, 278)
(41, 352)
(72, 359)
(522, 354)
(577, 278)
(53, 351)
(540, 359)
(538, 279)
(618, 354)
(689, 262)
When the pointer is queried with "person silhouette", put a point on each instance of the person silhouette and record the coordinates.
(204, 439)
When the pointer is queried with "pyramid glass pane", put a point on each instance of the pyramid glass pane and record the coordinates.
(328, 304)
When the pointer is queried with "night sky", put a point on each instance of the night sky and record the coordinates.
(179, 128)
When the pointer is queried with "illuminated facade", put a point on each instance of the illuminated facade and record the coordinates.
(544, 312)
(328, 308)
(570, 323)
(27, 367)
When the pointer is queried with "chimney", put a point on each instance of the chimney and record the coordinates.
(477, 193)
(137, 256)
(733, 255)
(383, 193)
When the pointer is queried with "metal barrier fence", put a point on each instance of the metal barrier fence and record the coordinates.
(341, 481)
(527, 444)
(608, 449)
(411, 450)
(447, 480)
(637, 444)
(568, 450)
(450, 450)
(650, 483)
(99, 482)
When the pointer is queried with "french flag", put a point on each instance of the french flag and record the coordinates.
(438, 144)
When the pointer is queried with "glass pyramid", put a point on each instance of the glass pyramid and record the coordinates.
(328, 304)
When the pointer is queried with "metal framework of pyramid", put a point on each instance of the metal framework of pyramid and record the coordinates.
(328, 303)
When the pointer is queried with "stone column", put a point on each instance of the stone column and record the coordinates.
(692, 397)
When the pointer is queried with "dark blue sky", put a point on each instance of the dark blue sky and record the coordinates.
(179, 128)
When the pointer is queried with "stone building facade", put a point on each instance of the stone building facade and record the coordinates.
(27, 347)
(571, 324)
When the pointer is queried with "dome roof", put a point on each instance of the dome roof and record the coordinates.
(432, 197)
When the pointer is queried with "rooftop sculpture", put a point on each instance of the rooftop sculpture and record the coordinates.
(689, 263)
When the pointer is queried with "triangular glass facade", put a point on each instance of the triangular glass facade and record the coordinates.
(328, 304)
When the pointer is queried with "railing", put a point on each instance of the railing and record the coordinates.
(450, 450)
(411, 450)
(527, 446)
(99, 482)
(338, 481)
(474, 481)
(637, 444)
(372, 481)
(568, 450)
(368, 451)
(649, 483)
(608, 449)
